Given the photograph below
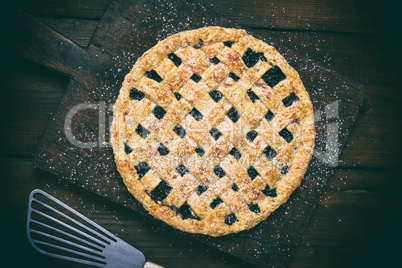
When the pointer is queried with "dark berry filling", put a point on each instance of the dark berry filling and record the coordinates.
(253, 97)
(250, 57)
(159, 112)
(286, 134)
(251, 135)
(143, 132)
(219, 171)
(215, 202)
(216, 95)
(290, 99)
(269, 153)
(163, 150)
(182, 170)
(161, 191)
(127, 149)
(252, 173)
(235, 153)
(215, 133)
(230, 219)
(176, 60)
(135, 94)
(196, 78)
(179, 130)
(142, 169)
(196, 114)
(254, 208)
(201, 188)
(153, 75)
(273, 76)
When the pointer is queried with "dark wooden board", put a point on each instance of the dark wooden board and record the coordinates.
(96, 74)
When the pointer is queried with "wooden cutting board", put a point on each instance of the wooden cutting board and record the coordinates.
(127, 29)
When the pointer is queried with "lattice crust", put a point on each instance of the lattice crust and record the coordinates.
(212, 130)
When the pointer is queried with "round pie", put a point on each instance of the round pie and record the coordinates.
(212, 130)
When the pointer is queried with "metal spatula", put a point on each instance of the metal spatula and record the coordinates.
(56, 230)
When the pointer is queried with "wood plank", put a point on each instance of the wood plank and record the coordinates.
(30, 94)
(115, 36)
(25, 117)
(312, 15)
(328, 242)
(83, 9)
(351, 198)
(158, 243)
(354, 222)
(346, 53)
(26, 76)
(342, 52)
(371, 143)
(373, 140)
(79, 31)
(93, 170)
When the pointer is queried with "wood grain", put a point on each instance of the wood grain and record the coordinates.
(94, 169)
(364, 209)
(373, 132)
(351, 197)
(314, 15)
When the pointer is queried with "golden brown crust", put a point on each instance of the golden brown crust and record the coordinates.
(221, 190)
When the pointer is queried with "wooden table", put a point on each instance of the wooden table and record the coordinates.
(354, 223)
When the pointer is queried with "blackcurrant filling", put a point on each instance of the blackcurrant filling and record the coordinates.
(253, 97)
(233, 114)
(273, 76)
(196, 114)
(182, 170)
(230, 219)
(250, 57)
(252, 173)
(201, 188)
(175, 59)
(219, 171)
(127, 149)
(269, 192)
(159, 112)
(186, 212)
(215, 133)
(254, 208)
(143, 132)
(269, 115)
(284, 170)
(161, 191)
(153, 75)
(269, 153)
(234, 77)
(216, 95)
(290, 99)
(214, 60)
(199, 151)
(251, 135)
(196, 78)
(179, 130)
(286, 134)
(135, 94)
(215, 202)
(199, 45)
(235, 153)
(163, 150)
(142, 169)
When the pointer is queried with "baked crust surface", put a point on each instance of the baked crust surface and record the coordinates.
(212, 130)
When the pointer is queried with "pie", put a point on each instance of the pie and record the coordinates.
(212, 130)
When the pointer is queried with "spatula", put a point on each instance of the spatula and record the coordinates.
(55, 229)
